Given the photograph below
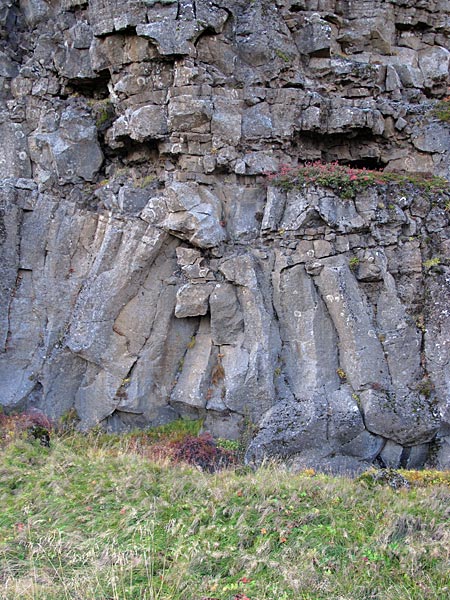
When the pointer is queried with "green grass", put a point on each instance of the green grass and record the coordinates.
(432, 262)
(442, 110)
(93, 518)
(103, 111)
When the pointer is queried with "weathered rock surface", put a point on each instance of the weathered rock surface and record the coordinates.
(148, 267)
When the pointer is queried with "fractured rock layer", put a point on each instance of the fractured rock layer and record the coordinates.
(151, 270)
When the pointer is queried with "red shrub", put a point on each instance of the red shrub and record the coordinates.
(203, 452)
(32, 423)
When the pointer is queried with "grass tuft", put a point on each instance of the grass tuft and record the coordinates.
(442, 110)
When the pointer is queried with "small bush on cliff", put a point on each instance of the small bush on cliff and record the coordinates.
(103, 112)
(442, 110)
(347, 182)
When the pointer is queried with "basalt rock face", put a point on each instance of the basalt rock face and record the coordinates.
(150, 269)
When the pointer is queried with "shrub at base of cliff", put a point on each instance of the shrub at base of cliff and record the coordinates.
(31, 425)
(203, 452)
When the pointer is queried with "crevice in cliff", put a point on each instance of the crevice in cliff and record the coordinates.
(124, 29)
(292, 85)
(418, 26)
(404, 458)
(370, 163)
(130, 151)
(6, 346)
(77, 8)
(358, 148)
(96, 88)
(209, 31)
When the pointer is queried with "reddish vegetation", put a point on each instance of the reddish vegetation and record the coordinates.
(347, 181)
(32, 423)
(202, 451)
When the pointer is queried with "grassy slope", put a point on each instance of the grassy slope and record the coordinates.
(95, 522)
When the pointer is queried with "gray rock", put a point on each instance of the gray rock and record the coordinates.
(400, 338)
(192, 300)
(410, 76)
(434, 63)
(34, 11)
(437, 219)
(319, 206)
(315, 38)
(392, 79)
(7, 66)
(102, 386)
(437, 341)
(363, 359)
(73, 62)
(10, 216)
(391, 454)
(274, 209)
(125, 254)
(131, 200)
(145, 123)
(243, 209)
(308, 336)
(187, 113)
(195, 215)
(226, 121)
(292, 428)
(443, 452)
(108, 16)
(193, 265)
(14, 156)
(406, 418)
(416, 456)
(370, 266)
(72, 152)
(169, 38)
(226, 316)
(434, 138)
(257, 122)
(249, 384)
(177, 33)
(194, 379)
(225, 426)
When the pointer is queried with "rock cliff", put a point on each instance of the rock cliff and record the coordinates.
(151, 269)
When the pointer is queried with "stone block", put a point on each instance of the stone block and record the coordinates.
(193, 300)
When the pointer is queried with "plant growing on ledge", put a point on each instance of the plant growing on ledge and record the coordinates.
(432, 262)
(347, 181)
(442, 110)
(353, 263)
